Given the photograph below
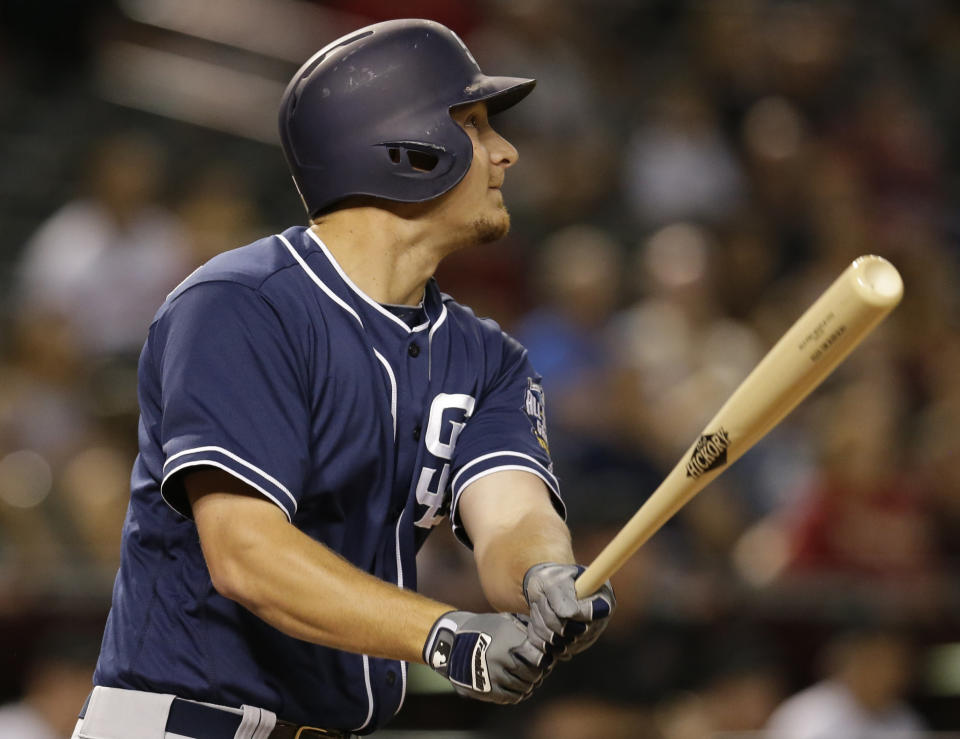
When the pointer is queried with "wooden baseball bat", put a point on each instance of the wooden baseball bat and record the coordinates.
(823, 336)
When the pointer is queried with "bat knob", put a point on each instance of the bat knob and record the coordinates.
(877, 280)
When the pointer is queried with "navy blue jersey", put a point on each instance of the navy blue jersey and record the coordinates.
(269, 363)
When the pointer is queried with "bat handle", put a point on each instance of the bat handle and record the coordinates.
(589, 581)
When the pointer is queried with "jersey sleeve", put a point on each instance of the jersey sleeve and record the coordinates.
(232, 394)
(507, 431)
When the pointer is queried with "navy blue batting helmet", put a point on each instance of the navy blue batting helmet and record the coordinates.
(369, 114)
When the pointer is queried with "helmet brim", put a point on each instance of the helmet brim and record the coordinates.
(499, 93)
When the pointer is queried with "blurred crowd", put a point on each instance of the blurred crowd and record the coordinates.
(692, 175)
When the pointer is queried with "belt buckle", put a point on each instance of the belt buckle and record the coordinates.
(306, 732)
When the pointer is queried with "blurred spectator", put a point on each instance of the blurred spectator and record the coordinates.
(569, 156)
(493, 281)
(684, 357)
(44, 420)
(578, 276)
(862, 697)
(891, 139)
(64, 479)
(105, 261)
(577, 717)
(866, 518)
(58, 679)
(740, 698)
(678, 165)
(804, 46)
(938, 452)
(42, 404)
(777, 151)
(218, 212)
(679, 357)
(747, 262)
(730, 52)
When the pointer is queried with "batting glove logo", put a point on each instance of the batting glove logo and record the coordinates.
(481, 679)
(440, 656)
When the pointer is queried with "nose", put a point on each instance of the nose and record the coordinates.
(502, 152)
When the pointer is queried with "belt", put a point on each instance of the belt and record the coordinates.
(209, 722)
(206, 722)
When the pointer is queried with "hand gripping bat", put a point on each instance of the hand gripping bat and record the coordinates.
(824, 335)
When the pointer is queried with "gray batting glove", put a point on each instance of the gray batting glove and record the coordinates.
(560, 623)
(486, 656)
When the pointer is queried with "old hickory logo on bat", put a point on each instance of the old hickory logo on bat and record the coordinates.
(709, 453)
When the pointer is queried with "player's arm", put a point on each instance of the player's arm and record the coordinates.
(525, 561)
(304, 589)
(296, 584)
(513, 525)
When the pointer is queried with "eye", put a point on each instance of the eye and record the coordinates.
(472, 120)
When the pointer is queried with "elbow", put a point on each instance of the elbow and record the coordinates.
(236, 534)
(502, 589)
(237, 529)
(229, 578)
(232, 569)
(508, 602)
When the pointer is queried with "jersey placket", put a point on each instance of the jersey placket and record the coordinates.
(404, 364)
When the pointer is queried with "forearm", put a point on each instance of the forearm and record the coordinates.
(513, 526)
(299, 586)
(504, 557)
(307, 591)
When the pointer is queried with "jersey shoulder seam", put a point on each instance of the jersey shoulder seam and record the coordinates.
(257, 288)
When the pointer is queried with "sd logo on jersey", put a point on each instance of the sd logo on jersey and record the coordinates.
(534, 406)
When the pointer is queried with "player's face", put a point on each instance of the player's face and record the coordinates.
(476, 201)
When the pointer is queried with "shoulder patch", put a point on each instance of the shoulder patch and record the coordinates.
(534, 405)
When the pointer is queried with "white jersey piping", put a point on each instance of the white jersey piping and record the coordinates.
(313, 276)
(403, 665)
(433, 330)
(393, 390)
(240, 460)
(366, 680)
(234, 473)
(484, 457)
(360, 293)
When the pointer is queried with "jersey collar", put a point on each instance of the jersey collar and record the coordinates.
(334, 281)
(370, 302)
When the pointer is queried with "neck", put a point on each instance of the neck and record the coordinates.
(389, 257)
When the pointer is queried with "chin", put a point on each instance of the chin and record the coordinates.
(492, 228)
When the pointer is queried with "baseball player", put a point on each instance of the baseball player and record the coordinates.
(312, 406)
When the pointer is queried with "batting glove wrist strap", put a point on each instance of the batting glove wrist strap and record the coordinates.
(438, 648)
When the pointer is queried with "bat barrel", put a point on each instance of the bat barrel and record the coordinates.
(821, 338)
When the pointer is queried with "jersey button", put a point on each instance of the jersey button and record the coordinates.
(413, 350)
(391, 677)
(416, 433)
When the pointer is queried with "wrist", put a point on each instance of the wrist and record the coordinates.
(438, 645)
(568, 567)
